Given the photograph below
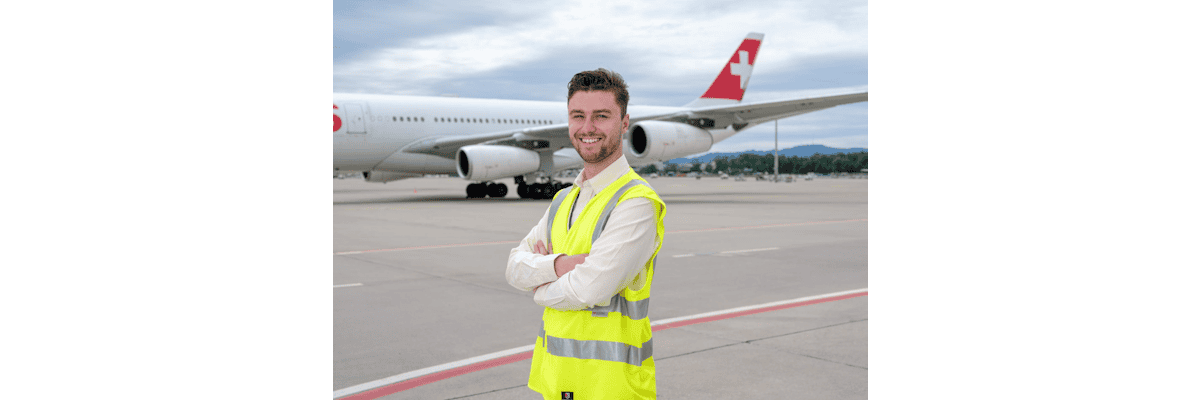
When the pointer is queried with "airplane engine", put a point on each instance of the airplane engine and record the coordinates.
(487, 162)
(385, 176)
(662, 140)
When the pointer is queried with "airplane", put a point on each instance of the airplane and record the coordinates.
(393, 137)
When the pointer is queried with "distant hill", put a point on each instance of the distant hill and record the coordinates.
(801, 151)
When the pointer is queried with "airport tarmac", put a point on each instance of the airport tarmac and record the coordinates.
(418, 275)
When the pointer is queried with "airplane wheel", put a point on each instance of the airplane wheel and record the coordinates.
(476, 190)
(523, 191)
(497, 190)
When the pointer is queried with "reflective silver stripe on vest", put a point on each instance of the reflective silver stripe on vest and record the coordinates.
(598, 349)
(633, 309)
(558, 200)
(612, 203)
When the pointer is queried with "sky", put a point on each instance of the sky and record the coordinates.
(668, 53)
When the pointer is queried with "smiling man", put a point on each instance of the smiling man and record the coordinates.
(595, 340)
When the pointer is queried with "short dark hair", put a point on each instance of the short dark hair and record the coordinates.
(601, 80)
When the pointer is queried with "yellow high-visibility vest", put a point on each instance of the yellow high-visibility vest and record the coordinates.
(603, 352)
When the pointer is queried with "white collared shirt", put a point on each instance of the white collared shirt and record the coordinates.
(616, 260)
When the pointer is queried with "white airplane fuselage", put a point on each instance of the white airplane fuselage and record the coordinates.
(371, 130)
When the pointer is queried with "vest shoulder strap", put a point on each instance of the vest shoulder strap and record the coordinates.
(612, 203)
(554, 205)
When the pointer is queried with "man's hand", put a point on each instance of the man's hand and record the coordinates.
(564, 263)
(542, 248)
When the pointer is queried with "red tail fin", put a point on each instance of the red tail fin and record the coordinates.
(731, 82)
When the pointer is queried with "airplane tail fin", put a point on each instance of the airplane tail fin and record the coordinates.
(731, 83)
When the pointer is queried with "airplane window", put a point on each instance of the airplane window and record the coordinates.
(422, 119)
(393, 118)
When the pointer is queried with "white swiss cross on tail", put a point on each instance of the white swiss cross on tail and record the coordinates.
(730, 85)
(742, 68)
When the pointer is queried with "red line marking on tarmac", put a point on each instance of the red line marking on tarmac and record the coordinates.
(438, 376)
(436, 246)
(440, 246)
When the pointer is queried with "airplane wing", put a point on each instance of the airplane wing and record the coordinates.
(742, 115)
(530, 138)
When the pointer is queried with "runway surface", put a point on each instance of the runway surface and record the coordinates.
(419, 287)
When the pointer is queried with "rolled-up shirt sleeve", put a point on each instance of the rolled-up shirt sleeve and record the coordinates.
(526, 269)
(617, 259)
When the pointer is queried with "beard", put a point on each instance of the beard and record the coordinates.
(608, 146)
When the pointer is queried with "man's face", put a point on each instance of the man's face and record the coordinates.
(596, 125)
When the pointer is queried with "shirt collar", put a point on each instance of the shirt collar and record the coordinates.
(609, 175)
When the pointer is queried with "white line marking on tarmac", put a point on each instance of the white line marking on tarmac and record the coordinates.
(438, 246)
(347, 285)
(747, 251)
(724, 252)
(426, 371)
(499, 354)
(756, 306)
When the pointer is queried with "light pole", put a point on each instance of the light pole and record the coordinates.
(776, 151)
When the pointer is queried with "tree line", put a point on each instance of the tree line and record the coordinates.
(818, 163)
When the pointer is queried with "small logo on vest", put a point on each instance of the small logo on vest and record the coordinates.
(568, 395)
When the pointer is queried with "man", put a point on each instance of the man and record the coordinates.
(595, 340)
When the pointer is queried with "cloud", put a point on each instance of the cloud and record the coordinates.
(668, 52)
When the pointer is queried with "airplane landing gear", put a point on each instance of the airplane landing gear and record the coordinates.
(540, 190)
(481, 190)
(497, 190)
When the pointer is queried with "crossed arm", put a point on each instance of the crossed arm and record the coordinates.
(574, 282)
(562, 263)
